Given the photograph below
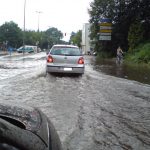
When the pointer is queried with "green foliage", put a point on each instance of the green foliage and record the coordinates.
(99, 9)
(11, 33)
(76, 38)
(123, 14)
(54, 36)
(31, 37)
(135, 35)
(141, 55)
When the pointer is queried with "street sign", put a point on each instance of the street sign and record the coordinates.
(105, 31)
(105, 27)
(104, 38)
(105, 34)
(106, 24)
(105, 20)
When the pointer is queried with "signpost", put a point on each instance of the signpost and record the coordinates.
(105, 38)
(105, 24)
(108, 34)
(105, 20)
(105, 29)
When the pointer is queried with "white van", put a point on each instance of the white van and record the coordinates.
(27, 49)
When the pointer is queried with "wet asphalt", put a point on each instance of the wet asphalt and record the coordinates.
(90, 112)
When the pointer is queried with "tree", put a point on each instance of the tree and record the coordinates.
(54, 36)
(32, 37)
(45, 38)
(135, 35)
(144, 8)
(76, 38)
(100, 9)
(123, 14)
(11, 33)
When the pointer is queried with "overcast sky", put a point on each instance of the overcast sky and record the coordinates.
(65, 15)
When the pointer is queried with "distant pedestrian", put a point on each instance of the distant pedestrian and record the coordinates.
(10, 50)
(119, 55)
(119, 51)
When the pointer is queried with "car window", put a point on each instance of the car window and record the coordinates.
(68, 51)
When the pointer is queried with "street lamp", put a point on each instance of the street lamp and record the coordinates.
(39, 12)
(24, 26)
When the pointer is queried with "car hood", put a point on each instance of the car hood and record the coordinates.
(28, 118)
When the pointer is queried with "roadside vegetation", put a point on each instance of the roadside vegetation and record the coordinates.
(130, 28)
(11, 35)
(139, 55)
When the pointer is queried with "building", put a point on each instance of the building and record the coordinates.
(85, 38)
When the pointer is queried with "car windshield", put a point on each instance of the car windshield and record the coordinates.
(67, 51)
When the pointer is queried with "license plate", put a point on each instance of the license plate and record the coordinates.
(67, 69)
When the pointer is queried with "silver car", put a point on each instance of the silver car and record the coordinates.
(65, 59)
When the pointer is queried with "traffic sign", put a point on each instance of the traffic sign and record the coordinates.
(105, 24)
(105, 34)
(104, 38)
(105, 31)
(105, 20)
(105, 27)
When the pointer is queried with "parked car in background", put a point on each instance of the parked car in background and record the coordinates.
(65, 59)
(27, 49)
(94, 53)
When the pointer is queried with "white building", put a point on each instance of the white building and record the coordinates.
(85, 38)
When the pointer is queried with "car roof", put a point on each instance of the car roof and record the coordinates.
(64, 45)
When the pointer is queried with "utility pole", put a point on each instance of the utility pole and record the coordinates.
(39, 12)
(24, 26)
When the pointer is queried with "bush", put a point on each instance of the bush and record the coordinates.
(141, 55)
(144, 54)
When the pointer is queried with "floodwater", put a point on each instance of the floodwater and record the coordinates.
(138, 73)
(90, 112)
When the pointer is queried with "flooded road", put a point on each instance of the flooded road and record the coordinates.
(91, 112)
(132, 72)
